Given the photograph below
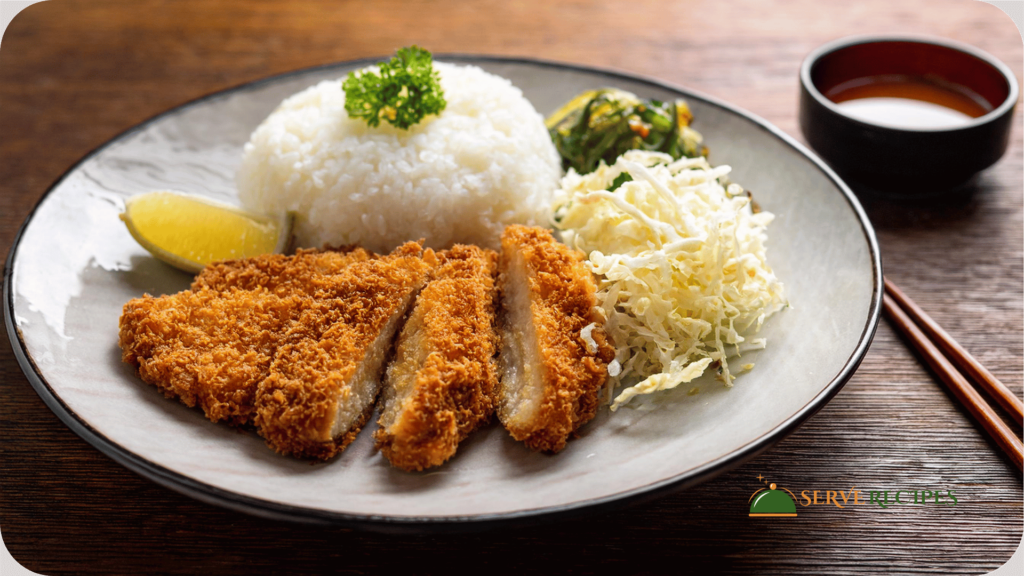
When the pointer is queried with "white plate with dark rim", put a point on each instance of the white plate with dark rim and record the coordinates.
(73, 266)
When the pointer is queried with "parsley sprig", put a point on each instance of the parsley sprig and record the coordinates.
(407, 89)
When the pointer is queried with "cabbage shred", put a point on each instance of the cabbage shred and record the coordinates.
(680, 259)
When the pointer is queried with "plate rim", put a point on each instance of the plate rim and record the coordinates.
(386, 523)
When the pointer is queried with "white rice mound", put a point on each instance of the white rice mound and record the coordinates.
(485, 162)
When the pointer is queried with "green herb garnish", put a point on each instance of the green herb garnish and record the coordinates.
(407, 89)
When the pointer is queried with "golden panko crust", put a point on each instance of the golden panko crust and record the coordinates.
(297, 402)
(562, 296)
(212, 345)
(268, 340)
(302, 273)
(452, 331)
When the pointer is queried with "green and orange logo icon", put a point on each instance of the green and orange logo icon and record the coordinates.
(772, 503)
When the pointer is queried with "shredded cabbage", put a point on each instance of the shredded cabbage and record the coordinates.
(680, 258)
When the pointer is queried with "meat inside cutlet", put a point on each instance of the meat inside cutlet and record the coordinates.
(212, 345)
(550, 375)
(440, 385)
(324, 379)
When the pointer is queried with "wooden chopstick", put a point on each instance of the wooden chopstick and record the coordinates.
(956, 354)
(956, 382)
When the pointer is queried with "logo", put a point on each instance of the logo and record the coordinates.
(772, 503)
(776, 502)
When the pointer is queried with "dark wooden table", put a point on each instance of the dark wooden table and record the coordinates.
(74, 74)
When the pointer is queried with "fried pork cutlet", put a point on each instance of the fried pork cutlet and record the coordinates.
(440, 386)
(325, 377)
(293, 344)
(550, 375)
(212, 345)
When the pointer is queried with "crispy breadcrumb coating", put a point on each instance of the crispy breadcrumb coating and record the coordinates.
(274, 340)
(440, 386)
(212, 345)
(302, 273)
(550, 380)
(324, 380)
(296, 345)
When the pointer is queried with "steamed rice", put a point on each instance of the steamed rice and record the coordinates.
(486, 161)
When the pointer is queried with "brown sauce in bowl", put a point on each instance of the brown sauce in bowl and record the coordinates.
(904, 101)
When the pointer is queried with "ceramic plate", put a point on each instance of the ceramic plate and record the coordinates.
(74, 265)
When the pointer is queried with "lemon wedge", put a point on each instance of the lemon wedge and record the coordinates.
(189, 232)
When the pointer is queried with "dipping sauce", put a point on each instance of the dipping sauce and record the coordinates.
(906, 116)
(901, 101)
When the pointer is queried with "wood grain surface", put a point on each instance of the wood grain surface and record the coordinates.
(74, 74)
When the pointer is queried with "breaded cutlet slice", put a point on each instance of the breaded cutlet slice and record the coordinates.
(550, 375)
(440, 385)
(212, 347)
(326, 376)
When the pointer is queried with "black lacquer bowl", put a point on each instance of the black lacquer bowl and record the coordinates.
(906, 161)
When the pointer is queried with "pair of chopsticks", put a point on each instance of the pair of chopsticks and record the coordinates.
(951, 363)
